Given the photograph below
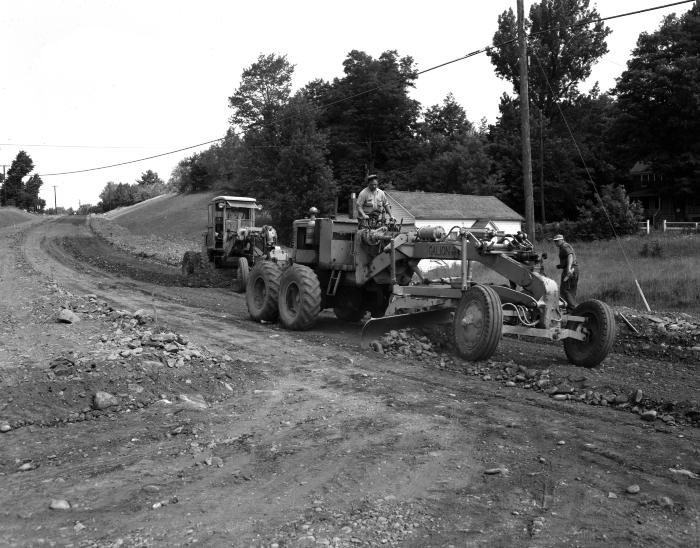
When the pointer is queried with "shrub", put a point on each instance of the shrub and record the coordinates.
(612, 213)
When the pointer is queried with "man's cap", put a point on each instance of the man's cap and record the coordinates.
(557, 237)
(372, 176)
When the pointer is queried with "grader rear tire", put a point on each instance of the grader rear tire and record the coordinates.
(299, 298)
(262, 291)
(478, 323)
(242, 275)
(601, 330)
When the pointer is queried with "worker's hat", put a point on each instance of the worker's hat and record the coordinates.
(371, 176)
(557, 237)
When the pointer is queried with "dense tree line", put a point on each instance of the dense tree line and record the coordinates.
(315, 146)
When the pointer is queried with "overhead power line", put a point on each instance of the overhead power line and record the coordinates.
(376, 88)
(46, 145)
(134, 161)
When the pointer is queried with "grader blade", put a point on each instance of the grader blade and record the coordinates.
(375, 328)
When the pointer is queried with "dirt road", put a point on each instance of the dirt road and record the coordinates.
(221, 432)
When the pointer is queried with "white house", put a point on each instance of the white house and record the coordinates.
(450, 210)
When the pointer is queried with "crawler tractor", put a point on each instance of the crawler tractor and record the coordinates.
(355, 269)
(232, 240)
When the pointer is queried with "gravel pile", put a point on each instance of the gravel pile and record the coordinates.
(128, 363)
(434, 345)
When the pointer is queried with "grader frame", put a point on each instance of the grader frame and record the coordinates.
(335, 263)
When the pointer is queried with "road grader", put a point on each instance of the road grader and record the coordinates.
(372, 267)
(232, 240)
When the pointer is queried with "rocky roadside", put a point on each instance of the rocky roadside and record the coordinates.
(121, 361)
(434, 346)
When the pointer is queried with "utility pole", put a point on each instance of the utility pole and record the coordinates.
(55, 209)
(525, 127)
(542, 166)
(4, 192)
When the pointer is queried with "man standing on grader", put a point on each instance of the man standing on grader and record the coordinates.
(371, 200)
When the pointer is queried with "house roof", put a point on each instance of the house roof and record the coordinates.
(436, 205)
(639, 168)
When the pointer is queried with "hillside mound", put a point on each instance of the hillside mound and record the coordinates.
(177, 216)
(12, 216)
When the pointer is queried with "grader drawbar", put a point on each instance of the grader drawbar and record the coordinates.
(334, 263)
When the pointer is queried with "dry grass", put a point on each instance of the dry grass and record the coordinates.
(670, 280)
(165, 250)
(10, 216)
(162, 228)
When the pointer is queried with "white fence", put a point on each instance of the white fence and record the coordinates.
(645, 227)
(667, 226)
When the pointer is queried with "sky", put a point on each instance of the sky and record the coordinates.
(91, 83)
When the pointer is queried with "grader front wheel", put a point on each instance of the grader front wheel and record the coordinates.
(478, 323)
(599, 329)
(299, 298)
(262, 291)
(242, 274)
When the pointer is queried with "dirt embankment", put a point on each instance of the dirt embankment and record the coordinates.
(164, 417)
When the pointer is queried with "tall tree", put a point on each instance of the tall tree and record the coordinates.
(564, 41)
(303, 176)
(283, 158)
(265, 88)
(372, 120)
(658, 101)
(257, 104)
(566, 179)
(31, 200)
(13, 187)
(453, 154)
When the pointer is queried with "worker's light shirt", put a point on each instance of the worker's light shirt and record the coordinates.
(370, 200)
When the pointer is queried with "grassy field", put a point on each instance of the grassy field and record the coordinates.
(667, 267)
(11, 216)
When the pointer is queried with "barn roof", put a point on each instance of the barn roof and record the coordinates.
(436, 205)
